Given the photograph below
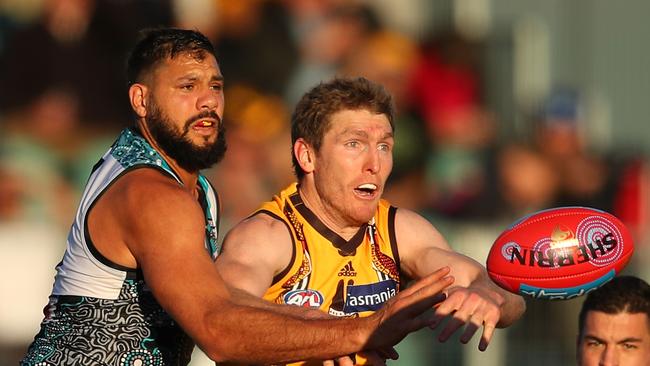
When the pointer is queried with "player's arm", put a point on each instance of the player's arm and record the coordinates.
(165, 231)
(253, 252)
(474, 299)
(163, 227)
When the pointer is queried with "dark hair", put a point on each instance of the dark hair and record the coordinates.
(623, 294)
(311, 117)
(157, 44)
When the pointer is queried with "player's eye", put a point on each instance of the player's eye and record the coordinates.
(593, 343)
(384, 147)
(629, 346)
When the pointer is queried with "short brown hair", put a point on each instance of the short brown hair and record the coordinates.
(623, 294)
(157, 44)
(311, 117)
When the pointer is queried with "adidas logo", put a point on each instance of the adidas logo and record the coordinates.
(348, 271)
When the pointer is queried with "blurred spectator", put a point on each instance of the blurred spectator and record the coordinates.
(35, 142)
(386, 57)
(45, 146)
(259, 153)
(11, 195)
(446, 89)
(527, 181)
(77, 45)
(202, 15)
(7, 26)
(632, 198)
(585, 177)
(326, 32)
(255, 44)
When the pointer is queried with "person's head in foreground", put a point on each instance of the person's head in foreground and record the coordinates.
(614, 324)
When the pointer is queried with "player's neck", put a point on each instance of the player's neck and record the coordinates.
(189, 179)
(325, 213)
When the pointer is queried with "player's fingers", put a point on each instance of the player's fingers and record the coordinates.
(423, 299)
(409, 306)
(426, 282)
(490, 319)
(439, 298)
(451, 327)
(389, 353)
(471, 328)
(445, 308)
(488, 331)
(344, 361)
(374, 358)
(432, 319)
(426, 295)
(328, 363)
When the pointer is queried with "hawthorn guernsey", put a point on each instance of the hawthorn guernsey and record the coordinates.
(560, 253)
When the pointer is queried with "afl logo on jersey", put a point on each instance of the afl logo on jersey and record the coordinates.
(305, 298)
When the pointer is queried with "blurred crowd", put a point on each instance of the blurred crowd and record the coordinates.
(63, 99)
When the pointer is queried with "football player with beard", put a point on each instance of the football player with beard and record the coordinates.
(137, 283)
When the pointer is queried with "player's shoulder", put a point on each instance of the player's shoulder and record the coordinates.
(413, 229)
(259, 237)
(151, 184)
(410, 218)
(148, 191)
(261, 225)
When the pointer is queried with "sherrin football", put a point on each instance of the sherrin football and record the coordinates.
(560, 253)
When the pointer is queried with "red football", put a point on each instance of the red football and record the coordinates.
(560, 253)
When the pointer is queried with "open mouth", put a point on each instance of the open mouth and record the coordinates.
(204, 123)
(366, 189)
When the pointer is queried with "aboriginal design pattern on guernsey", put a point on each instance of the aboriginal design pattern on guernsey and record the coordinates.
(131, 149)
(595, 229)
(132, 330)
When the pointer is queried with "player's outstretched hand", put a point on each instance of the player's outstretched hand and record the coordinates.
(475, 307)
(405, 313)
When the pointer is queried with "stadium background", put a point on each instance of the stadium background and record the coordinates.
(504, 107)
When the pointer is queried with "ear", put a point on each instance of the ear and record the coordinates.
(304, 155)
(138, 99)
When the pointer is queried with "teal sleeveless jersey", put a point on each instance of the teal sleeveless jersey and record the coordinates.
(101, 313)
